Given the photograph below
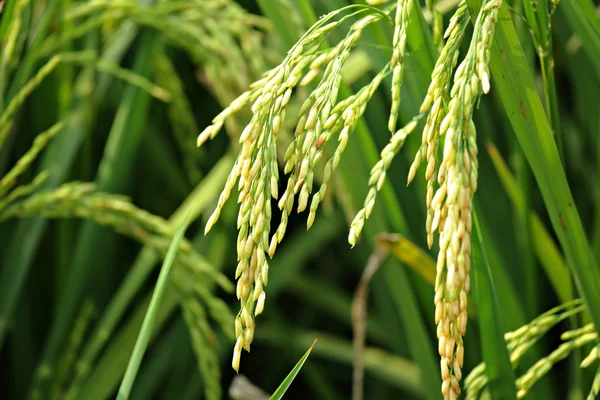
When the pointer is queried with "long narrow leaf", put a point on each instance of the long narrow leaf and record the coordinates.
(151, 316)
(278, 394)
(545, 249)
(495, 353)
(525, 111)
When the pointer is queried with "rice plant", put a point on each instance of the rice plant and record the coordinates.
(112, 116)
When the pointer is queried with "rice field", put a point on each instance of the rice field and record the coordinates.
(206, 199)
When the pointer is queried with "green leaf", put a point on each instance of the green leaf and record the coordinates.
(515, 86)
(278, 394)
(107, 371)
(151, 315)
(495, 353)
(552, 261)
(583, 21)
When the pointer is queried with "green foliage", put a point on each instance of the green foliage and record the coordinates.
(102, 104)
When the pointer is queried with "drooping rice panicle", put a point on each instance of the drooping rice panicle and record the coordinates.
(437, 100)
(542, 366)
(403, 14)
(377, 178)
(449, 208)
(343, 119)
(256, 171)
(80, 200)
(320, 119)
(9, 179)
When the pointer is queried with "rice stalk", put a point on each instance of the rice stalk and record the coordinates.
(359, 321)
(25, 91)
(24, 190)
(539, 18)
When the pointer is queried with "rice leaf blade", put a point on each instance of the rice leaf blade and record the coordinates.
(151, 315)
(524, 109)
(498, 366)
(282, 389)
(544, 246)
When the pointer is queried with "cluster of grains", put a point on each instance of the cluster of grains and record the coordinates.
(520, 341)
(378, 172)
(342, 122)
(437, 95)
(256, 171)
(80, 200)
(322, 117)
(377, 178)
(403, 14)
(449, 207)
(573, 340)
